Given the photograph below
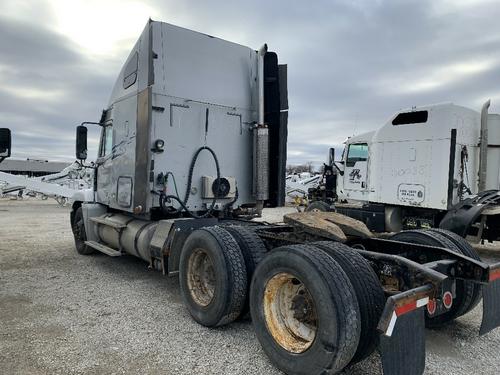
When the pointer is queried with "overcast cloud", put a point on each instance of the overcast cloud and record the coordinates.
(351, 64)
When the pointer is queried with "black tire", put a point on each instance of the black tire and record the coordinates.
(229, 277)
(336, 312)
(79, 234)
(467, 250)
(253, 250)
(464, 291)
(369, 292)
(318, 206)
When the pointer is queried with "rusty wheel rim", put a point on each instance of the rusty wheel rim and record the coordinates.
(201, 277)
(290, 313)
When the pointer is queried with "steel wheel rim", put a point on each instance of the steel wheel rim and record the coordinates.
(290, 313)
(201, 277)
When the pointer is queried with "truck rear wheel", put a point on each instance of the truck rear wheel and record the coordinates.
(79, 234)
(318, 206)
(464, 290)
(369, 292)
(253, 251)
(304, 311)
(467, 250)
(212, 276)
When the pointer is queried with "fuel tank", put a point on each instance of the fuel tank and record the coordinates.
(125, 233)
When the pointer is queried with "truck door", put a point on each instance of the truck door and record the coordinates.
(355, 172)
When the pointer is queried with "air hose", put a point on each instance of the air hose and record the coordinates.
(183, 203)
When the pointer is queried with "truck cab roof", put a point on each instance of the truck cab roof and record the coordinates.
(431, 122)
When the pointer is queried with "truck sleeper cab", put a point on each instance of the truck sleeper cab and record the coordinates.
(425, 168)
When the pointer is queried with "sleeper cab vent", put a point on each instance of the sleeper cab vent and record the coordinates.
(406, 118)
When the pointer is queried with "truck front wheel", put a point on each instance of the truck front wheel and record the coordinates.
(79, 234)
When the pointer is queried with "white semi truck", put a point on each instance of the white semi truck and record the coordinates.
(193, 144)
(435, 166)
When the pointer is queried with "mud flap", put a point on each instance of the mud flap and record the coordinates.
(404, 351)
(491, 307)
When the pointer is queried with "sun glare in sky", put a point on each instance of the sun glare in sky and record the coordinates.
(101, 27)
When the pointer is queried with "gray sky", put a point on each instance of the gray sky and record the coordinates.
(351, 63)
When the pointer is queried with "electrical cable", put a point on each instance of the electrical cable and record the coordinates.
(173, 179)
(468, 183)
(229, 204)
(462, 187)
(183, 203)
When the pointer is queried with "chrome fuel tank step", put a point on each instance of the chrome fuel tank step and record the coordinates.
(103, 248)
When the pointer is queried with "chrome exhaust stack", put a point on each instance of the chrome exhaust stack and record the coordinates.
(483, 147)
(261, 142)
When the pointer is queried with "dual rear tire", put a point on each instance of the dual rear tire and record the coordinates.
(467, 294)
(304, 311)
(368, 290)
(215, 269)
(212, 277)
(314, 307)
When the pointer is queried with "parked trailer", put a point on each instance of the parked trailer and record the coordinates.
(322, 291)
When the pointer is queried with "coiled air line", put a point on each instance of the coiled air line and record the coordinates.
(183, 203)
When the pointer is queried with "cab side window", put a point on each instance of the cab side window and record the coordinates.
(357, 152)
(130, 72)
(106, 140)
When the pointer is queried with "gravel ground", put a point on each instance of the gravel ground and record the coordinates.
(61, 313)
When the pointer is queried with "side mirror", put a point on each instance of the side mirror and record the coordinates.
(5, 143)
(334, 163)
(81, 142)
(331, 156)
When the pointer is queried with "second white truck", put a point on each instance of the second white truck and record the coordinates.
(430, 166)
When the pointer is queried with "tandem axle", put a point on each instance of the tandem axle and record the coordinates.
(227, 267)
